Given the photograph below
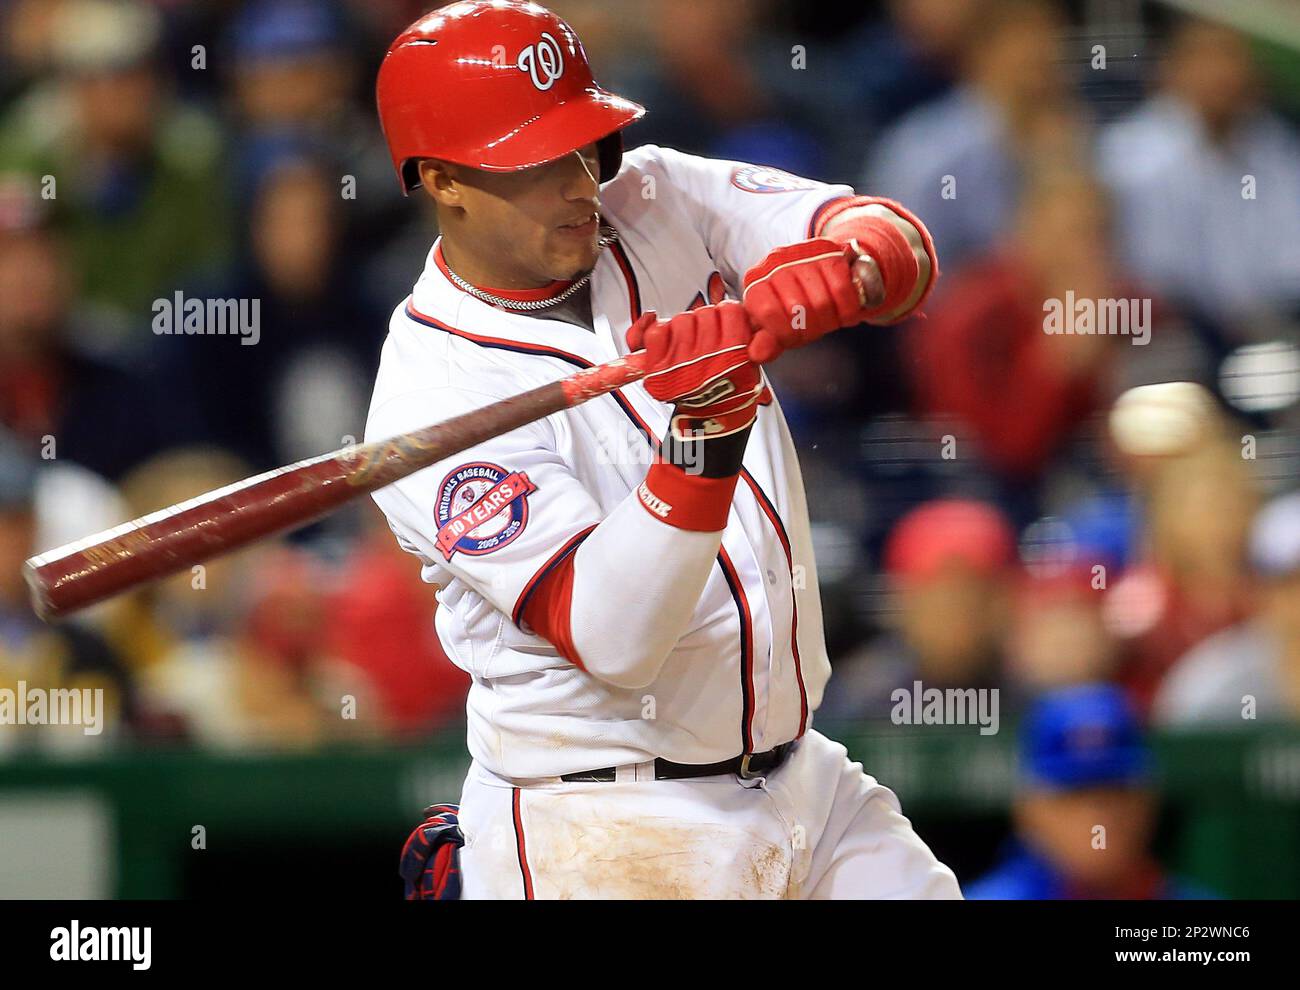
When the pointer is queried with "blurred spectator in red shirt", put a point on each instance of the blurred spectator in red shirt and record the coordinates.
(984, 356)
(1249, 673)
(381, 621)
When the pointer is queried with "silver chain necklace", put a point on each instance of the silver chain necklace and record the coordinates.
(608, 235)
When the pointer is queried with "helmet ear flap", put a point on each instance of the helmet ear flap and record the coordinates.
(609, 151)
(410, 175)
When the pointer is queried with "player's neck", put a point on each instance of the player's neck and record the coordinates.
(482, 272)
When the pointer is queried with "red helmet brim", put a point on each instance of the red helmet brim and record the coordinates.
(569, 125)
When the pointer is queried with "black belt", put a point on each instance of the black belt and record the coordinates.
(749, 766)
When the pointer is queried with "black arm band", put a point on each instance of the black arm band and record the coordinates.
(718, 458)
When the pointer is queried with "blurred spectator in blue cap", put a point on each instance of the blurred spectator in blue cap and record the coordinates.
(292, 63)
(1085, 810)
(1250, 672)
(136, 175)
(1105, 529)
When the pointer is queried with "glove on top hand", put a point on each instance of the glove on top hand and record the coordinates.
(801, 292)
(798, 294)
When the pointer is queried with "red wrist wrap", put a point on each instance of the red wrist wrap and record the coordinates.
(687, 501)
(894, 255)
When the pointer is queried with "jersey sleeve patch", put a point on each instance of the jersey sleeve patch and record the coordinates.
(481, 507)
(765, 179)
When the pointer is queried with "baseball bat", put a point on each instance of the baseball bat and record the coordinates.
(87, 571)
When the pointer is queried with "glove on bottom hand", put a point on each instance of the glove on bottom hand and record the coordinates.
(699, 361)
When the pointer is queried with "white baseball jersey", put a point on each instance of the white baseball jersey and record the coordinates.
(489, 523)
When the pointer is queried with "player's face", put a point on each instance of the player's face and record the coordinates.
(527, 228)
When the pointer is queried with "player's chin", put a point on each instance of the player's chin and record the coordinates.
(572, 257)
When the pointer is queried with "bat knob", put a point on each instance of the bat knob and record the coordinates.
(866, 276)
(38, 592)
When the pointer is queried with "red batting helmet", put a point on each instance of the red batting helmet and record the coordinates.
(498, 85)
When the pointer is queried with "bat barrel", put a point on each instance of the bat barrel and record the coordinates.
(155, 546)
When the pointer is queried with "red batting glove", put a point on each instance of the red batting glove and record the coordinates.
(800, 293)
(699, 361)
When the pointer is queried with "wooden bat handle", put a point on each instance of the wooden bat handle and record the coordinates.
(90, 570)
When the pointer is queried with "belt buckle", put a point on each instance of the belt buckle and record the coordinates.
(745, 772)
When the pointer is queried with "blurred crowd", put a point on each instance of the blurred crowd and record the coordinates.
(995, 506)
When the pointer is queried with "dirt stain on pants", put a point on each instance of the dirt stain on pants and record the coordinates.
(573, 852)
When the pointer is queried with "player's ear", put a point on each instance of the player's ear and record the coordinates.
(440, 181)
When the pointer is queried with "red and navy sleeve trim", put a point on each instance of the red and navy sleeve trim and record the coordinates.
(629, 276)
(570, 546)
(496, 343)
(540, 350)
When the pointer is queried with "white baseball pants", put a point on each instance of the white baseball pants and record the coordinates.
(816, 828)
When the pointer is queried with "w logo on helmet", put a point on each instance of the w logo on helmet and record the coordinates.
(544, 62)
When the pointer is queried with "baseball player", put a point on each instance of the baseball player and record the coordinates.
(630, 584)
